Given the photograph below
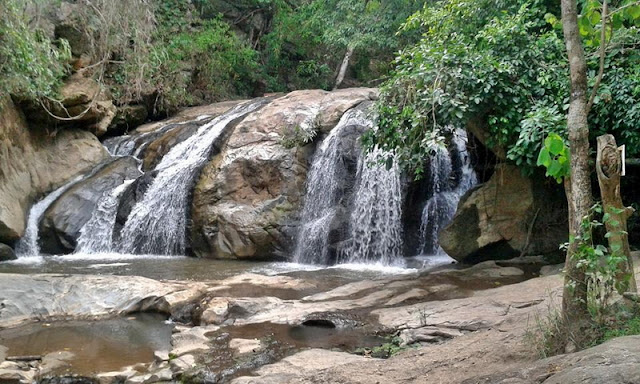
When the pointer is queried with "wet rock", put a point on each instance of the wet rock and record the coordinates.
(41, 297)
(6, 253)
(10, 376)
(244, 346)
(182, 363)
(155, 151)
(127, 118)
(487, 270)
(54, 361)
(116, 376)
(246, 199)
(35, 161)
(62, 221)
(492, 221)
(69, 379)
(191, 340)
(160, 356)
(3, 353)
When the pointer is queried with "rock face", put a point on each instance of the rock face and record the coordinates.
(33, 162)
(62, 221)
(493, 221)
(614, 362)
(84, 100)
(6, 253)
(247, 198)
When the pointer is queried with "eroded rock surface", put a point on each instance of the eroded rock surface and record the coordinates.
(62, 221)
(35, 161)
(493, 220)
(27, 298)
(247, 198)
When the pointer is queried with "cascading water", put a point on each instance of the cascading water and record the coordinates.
(324, 186)
(96, 236)
(448, 185)
(120, 146)
(28, 244)
(376, 218)
(157, 223)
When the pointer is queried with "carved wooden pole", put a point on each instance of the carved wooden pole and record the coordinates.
(609, 168)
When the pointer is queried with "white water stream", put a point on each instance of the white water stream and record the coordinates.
(157, 224)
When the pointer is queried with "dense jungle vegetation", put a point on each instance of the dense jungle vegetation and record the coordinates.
(183, 53)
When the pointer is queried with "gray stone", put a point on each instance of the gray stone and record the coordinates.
(244, 346)
(30, 297)
(182, 363)
(6, 253)
(62, 221)
(247, 197)
(493, 220)
(160, 356)
(34, 162)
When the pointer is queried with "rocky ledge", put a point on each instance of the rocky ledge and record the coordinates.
(464, 326)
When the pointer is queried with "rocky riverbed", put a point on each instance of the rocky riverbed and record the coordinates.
(450, 325)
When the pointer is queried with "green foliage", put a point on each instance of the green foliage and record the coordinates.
(619, 327)
(600, 265)
(555, 157)
(31, 65)
(502, 64)
(385, 350)
(222, 64)
(298, 136)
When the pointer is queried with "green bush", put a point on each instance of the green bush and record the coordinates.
(31, 65)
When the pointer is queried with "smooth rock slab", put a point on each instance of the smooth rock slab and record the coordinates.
(614, 362)
(302, 363)
(40, 297)
(244, 346)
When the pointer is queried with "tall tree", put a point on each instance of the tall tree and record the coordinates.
(578, 185)
(349, 26)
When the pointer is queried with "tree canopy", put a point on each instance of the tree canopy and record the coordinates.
(503, 64)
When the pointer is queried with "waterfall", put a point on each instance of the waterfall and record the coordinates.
(96, 236)
(121, 145)
(376, 218)
(323, 193)
(157, 223)
(28, 244)
(451, 177)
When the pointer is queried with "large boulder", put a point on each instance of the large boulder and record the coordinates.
(6, 253)
(84, 104)
(494, 220)
(34, 161)
(247, 198)
(62, 221)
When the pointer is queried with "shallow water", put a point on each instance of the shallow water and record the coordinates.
(98, 346)
(189, 268)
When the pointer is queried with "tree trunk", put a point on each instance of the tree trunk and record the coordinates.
(578, 186)
(343, 67)
(609, 169)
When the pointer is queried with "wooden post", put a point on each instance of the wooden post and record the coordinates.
(609, 169)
